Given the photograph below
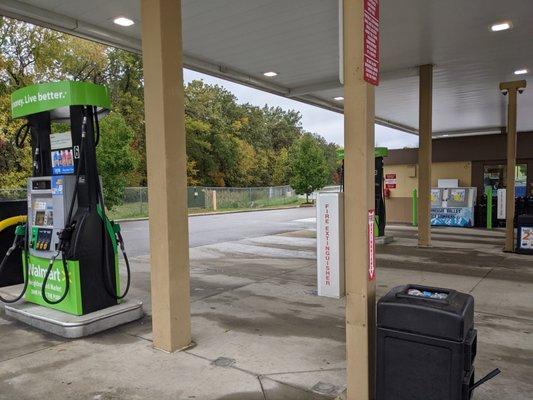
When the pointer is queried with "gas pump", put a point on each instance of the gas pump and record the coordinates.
(381, 216)
(70, 247)
(379, 204)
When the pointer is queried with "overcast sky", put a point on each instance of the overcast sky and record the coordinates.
(314, 119)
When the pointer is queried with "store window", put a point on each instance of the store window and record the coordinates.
(496, 176)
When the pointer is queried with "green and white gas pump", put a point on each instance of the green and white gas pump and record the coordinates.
(70, 247)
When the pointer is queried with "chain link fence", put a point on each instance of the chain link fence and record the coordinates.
(205, 199)
(253, 197)
(199, 199)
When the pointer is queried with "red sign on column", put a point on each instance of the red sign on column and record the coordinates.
(371, 246)
(390, 181)
(371, 42)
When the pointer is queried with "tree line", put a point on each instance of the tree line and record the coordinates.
(228, 144)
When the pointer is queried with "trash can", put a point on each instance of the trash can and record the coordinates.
(426, 344)
(12, 273)
(524, 237)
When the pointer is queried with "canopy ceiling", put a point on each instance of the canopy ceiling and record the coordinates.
(239, 40)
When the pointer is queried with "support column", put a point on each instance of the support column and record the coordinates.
(511, 88)
(167, 177)
(511, 166)
(359, 199)
(424, 154)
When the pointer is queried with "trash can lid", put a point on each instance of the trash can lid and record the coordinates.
(525, 219)
(430, 311)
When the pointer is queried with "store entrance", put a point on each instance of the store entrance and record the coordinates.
(495, 175)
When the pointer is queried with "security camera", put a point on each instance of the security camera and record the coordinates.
(520, 91)
(504, 92)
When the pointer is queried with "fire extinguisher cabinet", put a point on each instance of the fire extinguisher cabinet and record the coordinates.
(426, 344)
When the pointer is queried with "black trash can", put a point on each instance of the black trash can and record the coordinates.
(524, 237)
(12, 273)
(426, 344)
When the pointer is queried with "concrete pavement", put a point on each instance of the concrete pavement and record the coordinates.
(261, 332)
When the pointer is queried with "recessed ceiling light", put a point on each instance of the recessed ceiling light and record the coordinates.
(501, 26)
(521, 71)
(270, 74)
(123, 21)
(338, 98)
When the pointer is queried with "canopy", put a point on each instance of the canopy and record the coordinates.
(240, 40)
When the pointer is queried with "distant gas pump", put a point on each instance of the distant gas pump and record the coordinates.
(381, 215)
(69, 246)
(380, 192)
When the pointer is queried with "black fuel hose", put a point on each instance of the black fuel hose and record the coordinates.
(23, 130)
(97, 125)
(67, 280)
(106, 265)
(26, 267)
(19, 142)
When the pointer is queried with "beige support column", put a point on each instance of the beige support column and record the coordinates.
(167, 179)
(424, 154)
(511, 88)
(359, 199)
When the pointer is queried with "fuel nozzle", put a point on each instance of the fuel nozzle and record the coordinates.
(20, 230)
(120, 239)
(18, 241)
(65, 236)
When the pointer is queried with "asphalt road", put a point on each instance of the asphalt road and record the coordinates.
(210, 229)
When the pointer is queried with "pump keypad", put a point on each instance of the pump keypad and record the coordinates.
(43, 240)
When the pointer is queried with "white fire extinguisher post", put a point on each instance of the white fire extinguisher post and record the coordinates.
(330, 244)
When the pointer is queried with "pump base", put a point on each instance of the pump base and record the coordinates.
(72, 326)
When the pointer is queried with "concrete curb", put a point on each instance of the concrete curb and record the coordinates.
(216, 213)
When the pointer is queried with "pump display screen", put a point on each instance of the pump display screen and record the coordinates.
(39, 218)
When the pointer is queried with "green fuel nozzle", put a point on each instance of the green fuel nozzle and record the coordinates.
(20, 230)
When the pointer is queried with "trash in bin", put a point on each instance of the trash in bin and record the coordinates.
(426, 293)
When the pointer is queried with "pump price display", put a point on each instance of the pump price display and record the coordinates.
(371, 42)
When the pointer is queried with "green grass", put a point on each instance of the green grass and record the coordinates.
(129, 210)
(138, 210)
(266, 203)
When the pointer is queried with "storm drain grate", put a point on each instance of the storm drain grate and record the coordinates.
(223, 362)
(326, 389)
